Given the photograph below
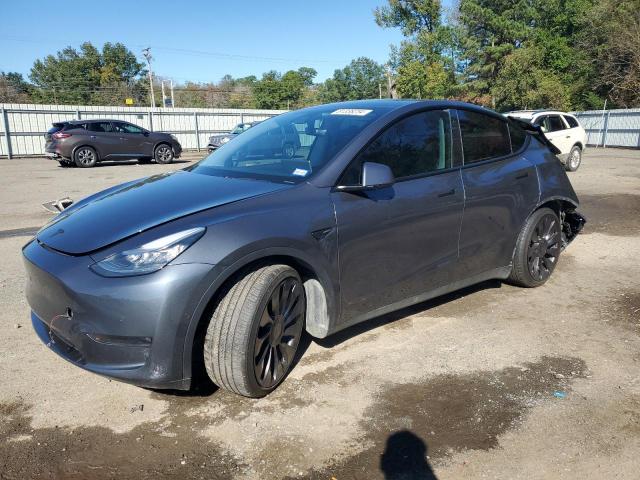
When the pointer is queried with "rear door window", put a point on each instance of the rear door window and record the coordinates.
(103, 127)
(554, 123)
(483, 136)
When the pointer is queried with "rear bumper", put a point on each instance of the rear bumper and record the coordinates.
(132, 329)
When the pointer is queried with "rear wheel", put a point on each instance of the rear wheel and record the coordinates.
(85, 157)
(537, 249)
(288, 150)
(163, 153)
(574, 159)
(254, 332)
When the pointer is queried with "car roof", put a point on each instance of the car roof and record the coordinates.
(535, 113)
(411, 105)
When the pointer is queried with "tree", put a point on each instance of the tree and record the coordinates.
(612, 39)
(276, 90)
(89, 76)
(523, 82)
(424, 64)
(361, 79)
(14, 89)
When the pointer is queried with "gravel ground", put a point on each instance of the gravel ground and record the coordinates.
(490, 382)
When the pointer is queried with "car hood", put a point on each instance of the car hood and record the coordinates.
(118, 213)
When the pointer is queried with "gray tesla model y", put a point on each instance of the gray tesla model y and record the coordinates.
(383, 204)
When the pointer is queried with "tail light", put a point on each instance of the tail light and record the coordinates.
(59, 135)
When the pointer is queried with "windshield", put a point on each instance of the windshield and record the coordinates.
(290, 147)
(241, 127)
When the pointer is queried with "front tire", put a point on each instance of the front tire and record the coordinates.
(163, 154)
(574, 159)
(254, 332)
(85, 157)
(537, 249)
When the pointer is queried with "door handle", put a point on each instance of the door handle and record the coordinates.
(92, 136)
(522, 175)
(123, 138)
(447, 194)
(568, 136)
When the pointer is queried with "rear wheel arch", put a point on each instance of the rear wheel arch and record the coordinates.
(320, 303)
(82, 145)
(559, 205)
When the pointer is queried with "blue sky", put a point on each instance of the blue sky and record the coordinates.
(201, 40)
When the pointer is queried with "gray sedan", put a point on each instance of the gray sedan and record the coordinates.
(226, 263)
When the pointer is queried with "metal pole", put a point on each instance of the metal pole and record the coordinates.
(147, 54)
(195, 124)
(173, 103)
(164, 97)
(7, 136)
(604, 109)
(78, 115)
(606, 128)
(150, 120)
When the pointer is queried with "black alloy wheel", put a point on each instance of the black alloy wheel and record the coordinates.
(279, 333)
(544, 247)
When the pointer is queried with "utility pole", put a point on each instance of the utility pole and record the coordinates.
(164, 97)
(388, 72)
(147, 55)
(379, 90)
(173, 103)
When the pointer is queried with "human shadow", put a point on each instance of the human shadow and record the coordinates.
(360, 328)
(405, 458)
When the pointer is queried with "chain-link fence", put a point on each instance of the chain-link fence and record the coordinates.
(22, 126)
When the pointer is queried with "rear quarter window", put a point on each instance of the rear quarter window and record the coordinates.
(483, 136)
(518, 136)
(56, 127)
(573, 123)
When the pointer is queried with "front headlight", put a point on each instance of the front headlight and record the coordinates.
(149, 257)
(225, 140)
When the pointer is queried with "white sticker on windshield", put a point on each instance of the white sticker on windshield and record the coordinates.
(300, 172)
(358, 112)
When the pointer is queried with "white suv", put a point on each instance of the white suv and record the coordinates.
(562, 129)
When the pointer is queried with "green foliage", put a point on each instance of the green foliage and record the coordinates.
(362, 78)
(275, 90)
(88, 76)
(14, 89)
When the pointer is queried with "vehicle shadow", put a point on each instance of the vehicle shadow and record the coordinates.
(124, 163)
(360, 328)
(405, 457)
(202, 386)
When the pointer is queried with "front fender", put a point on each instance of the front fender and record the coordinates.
(234, 263)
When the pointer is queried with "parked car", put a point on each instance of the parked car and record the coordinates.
(233, 257)
(216, 141)
(562, 129)
(84, 143)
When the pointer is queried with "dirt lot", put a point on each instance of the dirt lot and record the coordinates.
(490, 382)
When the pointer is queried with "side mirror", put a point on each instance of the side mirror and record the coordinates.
(374, 176)
(146, 133)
